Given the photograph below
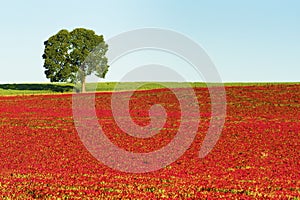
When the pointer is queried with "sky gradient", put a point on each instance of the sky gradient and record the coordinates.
(247, 40)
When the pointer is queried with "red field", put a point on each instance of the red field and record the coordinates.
(257, 155)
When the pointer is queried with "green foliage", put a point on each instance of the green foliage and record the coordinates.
(42, 88)
(35, 88)
(71, 56)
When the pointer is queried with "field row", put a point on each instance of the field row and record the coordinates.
(257, 155)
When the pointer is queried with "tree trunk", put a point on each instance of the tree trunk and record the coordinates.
(83, 85)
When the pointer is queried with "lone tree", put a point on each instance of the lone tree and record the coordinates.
(72, 56)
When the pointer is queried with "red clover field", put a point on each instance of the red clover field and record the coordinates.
(256, 156)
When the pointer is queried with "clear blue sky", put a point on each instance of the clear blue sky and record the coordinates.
(247, 40)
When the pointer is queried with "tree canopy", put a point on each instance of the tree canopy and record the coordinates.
(72, 56)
